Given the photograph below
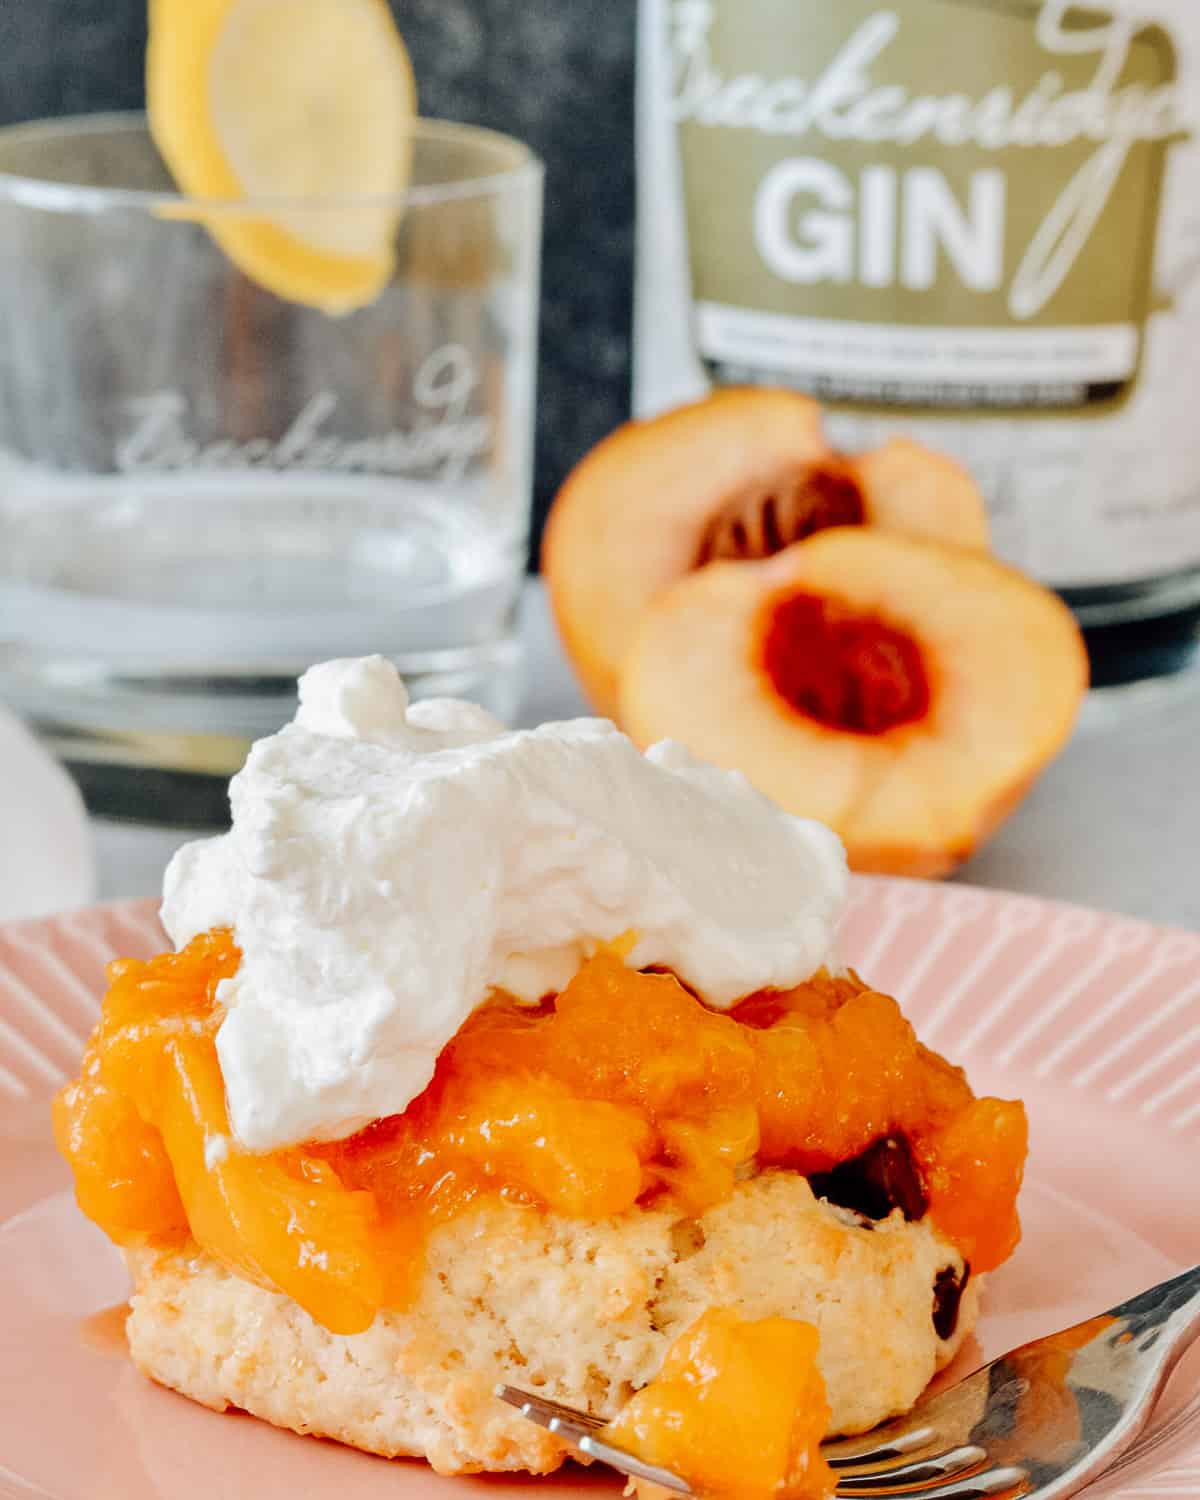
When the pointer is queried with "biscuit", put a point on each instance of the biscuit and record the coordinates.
(579, 1310)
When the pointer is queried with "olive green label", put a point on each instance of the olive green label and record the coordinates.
(933, 202)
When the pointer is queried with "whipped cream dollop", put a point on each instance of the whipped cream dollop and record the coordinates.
(389, 865)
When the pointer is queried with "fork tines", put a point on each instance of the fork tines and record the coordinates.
(538, 1409)
(865, 1472)
(579, 1429)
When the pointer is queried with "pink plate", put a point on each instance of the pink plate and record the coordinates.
(1093, 1020)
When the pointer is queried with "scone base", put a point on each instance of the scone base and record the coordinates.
(581, 1311)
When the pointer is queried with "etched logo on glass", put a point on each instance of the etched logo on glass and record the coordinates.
(443, 440)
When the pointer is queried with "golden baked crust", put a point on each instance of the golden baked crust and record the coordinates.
(583, 1311)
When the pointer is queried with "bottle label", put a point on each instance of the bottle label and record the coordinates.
(944, 204)
(971, 222)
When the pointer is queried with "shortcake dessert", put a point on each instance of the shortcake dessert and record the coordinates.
(487, 1056)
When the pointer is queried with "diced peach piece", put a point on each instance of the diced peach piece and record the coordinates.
(641, 1061)
(286, 1220)
(738, 1409)
(973, 1169)
(576, 1156)
(703, 1156)
(123, 1177)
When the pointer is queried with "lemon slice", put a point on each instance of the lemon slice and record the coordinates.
(288, 102)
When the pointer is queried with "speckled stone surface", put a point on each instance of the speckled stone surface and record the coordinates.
(557, 73)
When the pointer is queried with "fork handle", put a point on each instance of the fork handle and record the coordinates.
(1161, 1303)
(1169, 1312)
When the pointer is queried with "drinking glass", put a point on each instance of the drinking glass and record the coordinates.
(204, 487)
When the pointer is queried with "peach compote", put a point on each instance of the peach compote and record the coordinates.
(738, 1408)
(624, 1090)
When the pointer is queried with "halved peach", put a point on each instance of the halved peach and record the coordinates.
(903, 692)
(740, 475)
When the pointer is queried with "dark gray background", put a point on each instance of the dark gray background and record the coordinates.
(557, 73)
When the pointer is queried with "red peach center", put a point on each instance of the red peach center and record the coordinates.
(849, 671)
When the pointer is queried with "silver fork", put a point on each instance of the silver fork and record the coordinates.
(1042, 1421)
